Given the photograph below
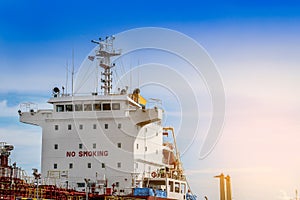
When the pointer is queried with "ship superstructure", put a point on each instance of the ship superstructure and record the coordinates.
(111, 141)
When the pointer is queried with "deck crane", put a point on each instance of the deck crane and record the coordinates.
(178, 165)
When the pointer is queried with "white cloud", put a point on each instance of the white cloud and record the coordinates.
(6, 111)
(12, 111)
(27, 145)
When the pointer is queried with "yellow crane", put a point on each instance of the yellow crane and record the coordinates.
(178, 165)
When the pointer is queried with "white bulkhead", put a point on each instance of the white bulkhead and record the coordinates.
(109, 140)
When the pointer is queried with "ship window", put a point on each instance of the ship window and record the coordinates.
(119, 165)
(146, 148)
(69, 108)
(80, 184)
(116, 106)
(87, 107)
(78, 107)
(182, 188)
(89, 165)
(94, 126)
(106, 126)
(156, 151)
(59, 108)
(119, 125)
(97, 106)
(69, 126)
(55, 166)
(117, 184)
(56, 127)
(171, 185)
(137, 146)
(106, 106)
(103, 165)
(177, 186)
(80, 146)
(80, 126)
(70, 165)
(94, 146)
(56, 146)
(119, 145)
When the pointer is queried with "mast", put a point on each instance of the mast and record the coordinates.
(67, 76)
(103, 55)
(72, 72)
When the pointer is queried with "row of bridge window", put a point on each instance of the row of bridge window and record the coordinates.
(87, 107)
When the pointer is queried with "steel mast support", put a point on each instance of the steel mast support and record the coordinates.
(103, 55)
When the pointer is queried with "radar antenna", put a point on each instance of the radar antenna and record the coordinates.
(103, 55)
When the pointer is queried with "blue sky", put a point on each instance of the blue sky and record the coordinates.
(37, 21)
(254, 44)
